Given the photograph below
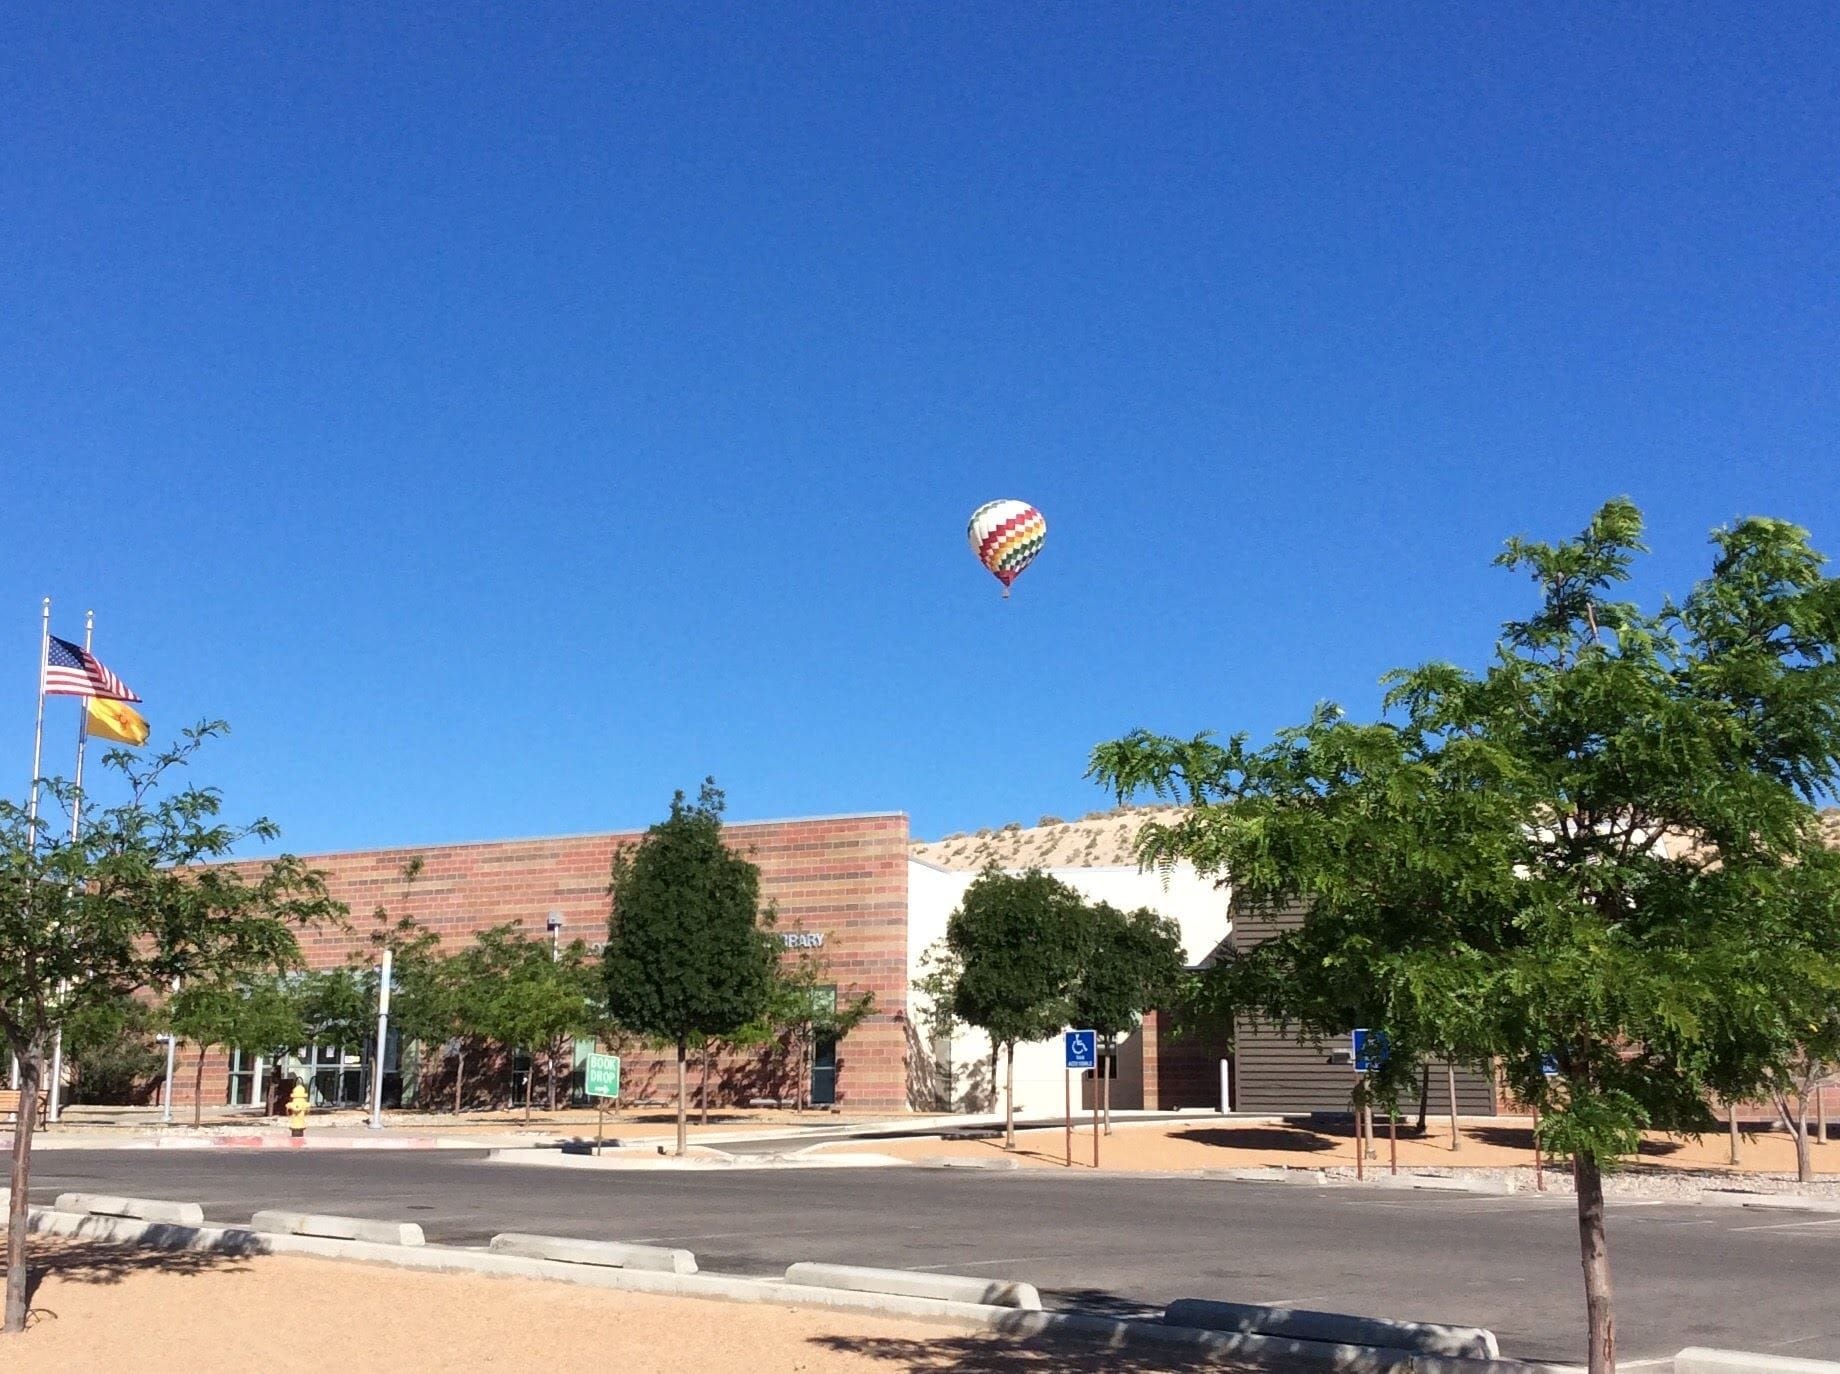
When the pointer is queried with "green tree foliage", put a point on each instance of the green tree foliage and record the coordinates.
(1591, 848)
(1779, 1025)
(1129, 963)
(805, 1006)
(525, 1000)
(1016, 942)
(686, 955)
(109, 1049)
(133, 902)
(259, 1015)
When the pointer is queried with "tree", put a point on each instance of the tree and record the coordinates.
(805, 1006)
(527, 998)
(257, 1016)
(134, 901)
(1129, 963)
(1785, 1034)
(1576, 852)
(108, 1048)
(1016, 941)
(932, 1006)
(685, 953)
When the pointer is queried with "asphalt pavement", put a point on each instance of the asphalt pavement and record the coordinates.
(1684, 1275)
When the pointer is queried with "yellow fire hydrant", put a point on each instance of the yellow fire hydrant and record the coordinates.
(297, 1111)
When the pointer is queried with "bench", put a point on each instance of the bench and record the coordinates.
(9, 1104)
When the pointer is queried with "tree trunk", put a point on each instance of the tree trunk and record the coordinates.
(19, 1209)
(1450, 1081)
(1009, 1096)
(1820, 1113)
(683, 1133)
(803, 1087)
(702, 1092)
(552, 1075)
(530, 1085)
(198, 1091)
(1595, 1251)
(1797, 1123)
(1424, 1099)
(459, 1078)
(1731, 1113)
(1804, 1165)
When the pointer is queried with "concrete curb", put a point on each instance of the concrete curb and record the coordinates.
(1697, 1359)
(657, 1258)
(1272, 1352)
(1316, 1178)
(1421, 1338)
(275, 1223)
(643, 1160)
(1446, 1183)
(137, 1208)
(54, 1142)
(911, 1283)
(1785, 1202)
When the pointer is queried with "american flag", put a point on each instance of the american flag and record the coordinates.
(74, 672)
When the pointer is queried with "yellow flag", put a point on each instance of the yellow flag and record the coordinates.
(118, 721)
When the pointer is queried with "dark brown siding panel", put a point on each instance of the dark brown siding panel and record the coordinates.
(1277, 1074)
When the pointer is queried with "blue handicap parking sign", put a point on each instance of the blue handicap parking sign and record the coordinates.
(1370, 1049)
(1082, 1049)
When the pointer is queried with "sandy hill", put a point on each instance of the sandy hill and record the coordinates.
(1098, 839)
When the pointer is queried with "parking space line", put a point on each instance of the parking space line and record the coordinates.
(1789, 1225)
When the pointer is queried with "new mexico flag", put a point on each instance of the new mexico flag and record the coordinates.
(118, 721)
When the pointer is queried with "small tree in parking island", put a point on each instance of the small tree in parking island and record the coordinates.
(1014, 947)
(531, 997)
(131, 903)
(1129, 963)
(1601, 848)
(258, 1016)
(686, 955)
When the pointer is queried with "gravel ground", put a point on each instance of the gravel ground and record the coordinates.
(1665, 1185)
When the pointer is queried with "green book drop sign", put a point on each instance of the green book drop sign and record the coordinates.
(603, 1075)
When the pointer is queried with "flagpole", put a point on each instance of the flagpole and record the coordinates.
(38, 747)
(38, 731)
(54, 1106)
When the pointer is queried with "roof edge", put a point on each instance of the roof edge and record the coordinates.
(581, 835)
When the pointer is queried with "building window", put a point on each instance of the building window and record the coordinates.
(245, 1079)
(335, 1075)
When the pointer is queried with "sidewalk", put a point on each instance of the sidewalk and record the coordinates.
(1495, 1145)
(108, 1128)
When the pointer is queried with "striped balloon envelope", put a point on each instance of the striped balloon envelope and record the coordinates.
(1006, 536)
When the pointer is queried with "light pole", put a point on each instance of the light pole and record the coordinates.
(554, 924)
(166, 1092)
(383, 1041)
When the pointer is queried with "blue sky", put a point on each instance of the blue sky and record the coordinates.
(507, 416)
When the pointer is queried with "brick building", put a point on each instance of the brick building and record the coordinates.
(839, 884)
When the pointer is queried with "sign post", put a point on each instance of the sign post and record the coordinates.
(602, 1082)
(1370, 1050)
(1549, 1068)
(1082, 1053)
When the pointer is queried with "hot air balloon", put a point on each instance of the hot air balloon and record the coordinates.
(1006, 536)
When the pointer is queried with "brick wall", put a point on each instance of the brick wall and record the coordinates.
(844, 877)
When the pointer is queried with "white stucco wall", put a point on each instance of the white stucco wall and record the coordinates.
(1197, 906)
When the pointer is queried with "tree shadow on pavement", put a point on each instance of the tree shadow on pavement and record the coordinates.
(1096, 1302)
(92, 1262)
(997, 1354)
(1295, 1140)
